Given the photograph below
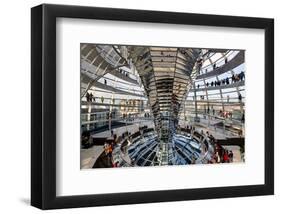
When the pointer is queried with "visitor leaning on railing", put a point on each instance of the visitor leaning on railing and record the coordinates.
(226, 81)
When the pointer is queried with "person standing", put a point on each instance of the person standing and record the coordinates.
(88, 97)
(243, 118)
(214, 66)
(225, 157)
(230, 155)
(240, 97)
(91, 97)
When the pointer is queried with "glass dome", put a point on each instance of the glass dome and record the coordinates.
(151, 106)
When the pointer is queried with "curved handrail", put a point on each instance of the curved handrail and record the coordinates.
(232, 85)
(209, 151)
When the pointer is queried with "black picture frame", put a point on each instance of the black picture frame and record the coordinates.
(43, 106)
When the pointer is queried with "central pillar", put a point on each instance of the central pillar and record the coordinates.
(167, 75)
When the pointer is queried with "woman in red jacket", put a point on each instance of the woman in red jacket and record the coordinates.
(225, 157)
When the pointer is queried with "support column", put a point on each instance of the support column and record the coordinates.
(195, 102)
(89, 115)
